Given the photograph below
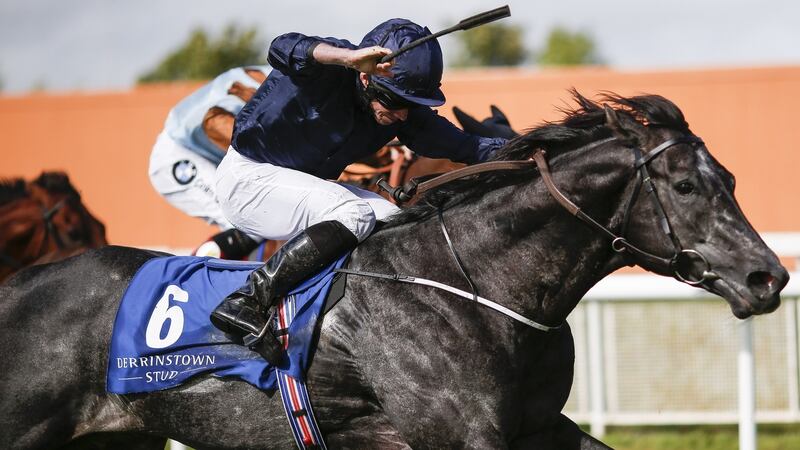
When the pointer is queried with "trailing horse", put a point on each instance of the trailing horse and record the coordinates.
(43, 221)
(401, 365)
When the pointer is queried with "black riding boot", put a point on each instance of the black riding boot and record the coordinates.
(244, 312)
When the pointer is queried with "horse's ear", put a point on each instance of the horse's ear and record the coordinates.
(499, 116)
(620, 129)
(469, 123)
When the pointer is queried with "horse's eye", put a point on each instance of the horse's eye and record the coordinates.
(684, 188)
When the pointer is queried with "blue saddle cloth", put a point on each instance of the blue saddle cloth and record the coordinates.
(162, 334)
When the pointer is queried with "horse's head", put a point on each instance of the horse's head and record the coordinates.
(702, 232)
(42, 219)
(646, 186)
(62, 203)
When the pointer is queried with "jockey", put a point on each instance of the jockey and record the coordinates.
(326, 104)
(196, 135)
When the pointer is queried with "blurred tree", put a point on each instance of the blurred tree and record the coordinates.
(201, 58)
(564, 48)
(38, 86)
(492, 45)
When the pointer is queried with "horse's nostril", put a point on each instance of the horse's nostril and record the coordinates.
(764, 285)
(759, 278)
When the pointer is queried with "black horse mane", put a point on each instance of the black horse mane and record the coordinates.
(12, 189)
(56, 183)
(581, 125)
(53, 182)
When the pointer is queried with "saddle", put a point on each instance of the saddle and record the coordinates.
(392, 162)
(162, 336)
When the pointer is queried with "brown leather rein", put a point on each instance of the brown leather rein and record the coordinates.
(415, 186)
(619, 243)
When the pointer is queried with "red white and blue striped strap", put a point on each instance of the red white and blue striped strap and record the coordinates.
(293, 392)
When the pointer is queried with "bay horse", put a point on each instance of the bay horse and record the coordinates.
(43, 221)
(401, 365)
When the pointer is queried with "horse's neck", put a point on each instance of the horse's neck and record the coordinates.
(520, 247)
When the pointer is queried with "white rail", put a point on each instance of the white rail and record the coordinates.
(651, 288)
(645, 287)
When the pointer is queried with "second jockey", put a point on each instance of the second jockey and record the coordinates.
(196, 135)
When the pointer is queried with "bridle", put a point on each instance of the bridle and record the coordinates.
(49, 230)
(619, 243)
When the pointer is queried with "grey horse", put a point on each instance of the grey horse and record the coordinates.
(402, 366)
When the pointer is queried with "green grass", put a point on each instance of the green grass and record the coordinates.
(770, 437)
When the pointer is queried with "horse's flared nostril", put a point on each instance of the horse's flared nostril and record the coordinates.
(766, 284)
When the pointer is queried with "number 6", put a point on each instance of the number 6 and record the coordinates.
(163, 312)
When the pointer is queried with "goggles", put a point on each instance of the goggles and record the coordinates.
(387, 98)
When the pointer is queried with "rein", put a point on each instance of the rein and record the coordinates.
(460, 173)
(49, 230)
(414, 186)
(618, 242)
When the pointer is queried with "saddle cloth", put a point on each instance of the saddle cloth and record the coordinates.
(162, 334)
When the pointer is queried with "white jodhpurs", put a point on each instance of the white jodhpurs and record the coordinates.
(277, 203)
(186, 180)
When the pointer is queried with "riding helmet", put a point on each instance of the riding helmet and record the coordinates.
(417, 73)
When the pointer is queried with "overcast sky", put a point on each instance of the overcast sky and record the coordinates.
(106, 44)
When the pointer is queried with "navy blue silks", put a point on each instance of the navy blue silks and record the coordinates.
(306, 116)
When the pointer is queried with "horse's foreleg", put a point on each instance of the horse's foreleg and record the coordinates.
(564, 435)
(570, 436)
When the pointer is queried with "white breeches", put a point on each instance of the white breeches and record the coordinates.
(277, 203)
(186, 180)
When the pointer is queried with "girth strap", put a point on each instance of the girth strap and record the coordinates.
(294, 393)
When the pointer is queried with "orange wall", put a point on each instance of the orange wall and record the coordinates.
(103, 140)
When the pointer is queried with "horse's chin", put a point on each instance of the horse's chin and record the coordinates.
(742, 301)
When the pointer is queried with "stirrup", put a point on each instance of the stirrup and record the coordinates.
(250, 340)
